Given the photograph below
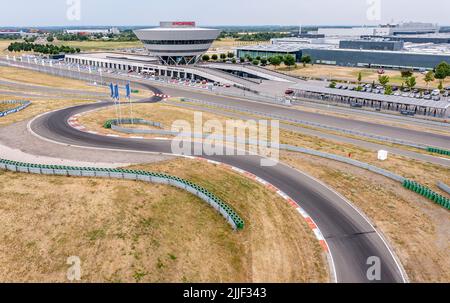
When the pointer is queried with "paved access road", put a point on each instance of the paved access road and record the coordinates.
(352, 240)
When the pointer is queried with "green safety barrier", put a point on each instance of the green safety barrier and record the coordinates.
(108, 124)
(427, 193)
(135, 91)
(438, 151)
(222, 205)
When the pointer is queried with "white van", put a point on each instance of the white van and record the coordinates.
(436, 92)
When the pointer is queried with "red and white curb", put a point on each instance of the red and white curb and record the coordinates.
(318, 234)
(162, 96)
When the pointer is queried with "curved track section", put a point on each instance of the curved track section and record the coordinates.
(352, 240)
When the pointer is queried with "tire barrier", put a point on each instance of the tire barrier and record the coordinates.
(438, 151)
(444, 187)
(139, 175)
(427, 193)
(22, 106)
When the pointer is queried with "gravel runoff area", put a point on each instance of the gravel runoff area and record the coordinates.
(18, 144)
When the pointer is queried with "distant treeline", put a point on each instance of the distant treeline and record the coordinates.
(10, 37)
(42, 48)
(125, 36)
(260, 36)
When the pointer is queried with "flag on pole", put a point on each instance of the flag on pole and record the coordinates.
(128, 90)
(116, 92)
(111, 86)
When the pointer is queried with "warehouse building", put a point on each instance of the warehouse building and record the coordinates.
(372, 44)
(326, 54)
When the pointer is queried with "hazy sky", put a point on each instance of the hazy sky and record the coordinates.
(225, 12)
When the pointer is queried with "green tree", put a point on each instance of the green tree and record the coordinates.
(429, 77)
(441, 85)
(275, 61)
(388, 90)
(230, 55)
(306, 60)
(359, 77)
(206, 58)
(223, 56)
(406, 73)
(411, 82)
(264, 61)
(384, 80)
(289, 60)
(255, 62)
(233, 61)
(214, 57)
(332, 84)
(442, 70)
(242, 59)
(50, 38)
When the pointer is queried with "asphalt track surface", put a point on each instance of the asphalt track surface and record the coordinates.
(351, 238)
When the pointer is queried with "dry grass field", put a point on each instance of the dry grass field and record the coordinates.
(125, 231)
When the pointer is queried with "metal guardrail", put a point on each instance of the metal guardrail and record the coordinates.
(313, 124)
(287, 147)
(138, 175)
(116, 125)
(23, 105)
(444, 187)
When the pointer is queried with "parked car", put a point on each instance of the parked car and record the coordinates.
(407, 112)
(289, 92)
(355, 104)
(435, 92)
(427, 97)
(437, 98)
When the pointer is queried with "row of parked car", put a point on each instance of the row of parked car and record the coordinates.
(397, 91)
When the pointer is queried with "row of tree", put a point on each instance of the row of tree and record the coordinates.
(276, 61)
(223, 57)
(49, 49)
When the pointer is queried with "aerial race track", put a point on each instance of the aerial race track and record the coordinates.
(352, 240)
